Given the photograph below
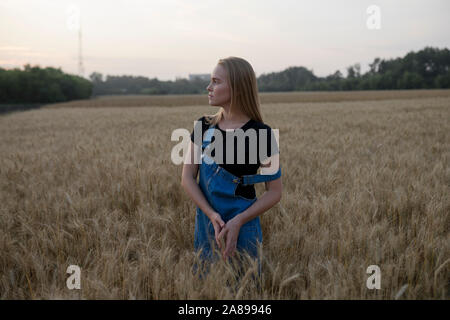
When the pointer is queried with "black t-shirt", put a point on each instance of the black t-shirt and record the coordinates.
(248, 167)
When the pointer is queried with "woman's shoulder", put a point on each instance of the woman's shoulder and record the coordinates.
(200, 125)
(205, 120)
(201, 119)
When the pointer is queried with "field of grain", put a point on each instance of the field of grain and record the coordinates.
(265, 98)
(366, 182)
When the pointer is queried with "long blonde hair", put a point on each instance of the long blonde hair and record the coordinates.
(244, 90)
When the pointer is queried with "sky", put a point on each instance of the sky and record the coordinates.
(169, 39)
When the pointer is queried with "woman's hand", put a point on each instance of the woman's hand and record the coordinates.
(218, 224)
(231, 233)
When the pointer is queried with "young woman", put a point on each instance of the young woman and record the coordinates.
(227, 207)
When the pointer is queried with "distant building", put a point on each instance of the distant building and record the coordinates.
(202, 76)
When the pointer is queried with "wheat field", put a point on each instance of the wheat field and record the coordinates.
(366, 182)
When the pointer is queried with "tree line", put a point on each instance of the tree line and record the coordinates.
(141, 85)
(425, 69)
(34, 84)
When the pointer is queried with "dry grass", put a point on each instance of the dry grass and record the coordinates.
(365, 182)
(265, 98)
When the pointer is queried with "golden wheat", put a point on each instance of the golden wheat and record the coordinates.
(265, 97)
(365, 182)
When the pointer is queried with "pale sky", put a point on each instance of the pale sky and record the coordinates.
(173, 38)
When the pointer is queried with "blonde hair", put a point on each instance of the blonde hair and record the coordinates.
(244, 90)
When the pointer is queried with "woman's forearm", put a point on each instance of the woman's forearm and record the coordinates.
(264, 203)
(193, 190)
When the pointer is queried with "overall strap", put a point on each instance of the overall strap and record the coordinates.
(208, 134)
(256, 178)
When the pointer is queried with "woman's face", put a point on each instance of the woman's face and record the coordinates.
(219, 93)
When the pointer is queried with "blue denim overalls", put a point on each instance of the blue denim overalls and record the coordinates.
(218, 186)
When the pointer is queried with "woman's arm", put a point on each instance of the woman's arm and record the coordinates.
(270, 197)
(189, 183)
